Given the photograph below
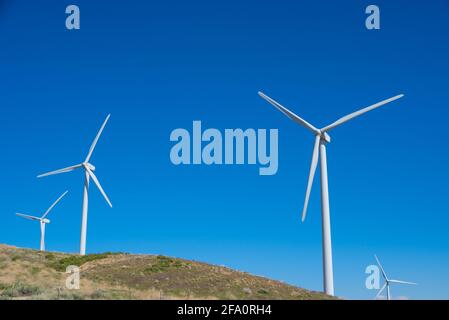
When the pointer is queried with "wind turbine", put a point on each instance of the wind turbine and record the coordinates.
(388, 281)
(321, 139)
(43, 220)
(88, 174)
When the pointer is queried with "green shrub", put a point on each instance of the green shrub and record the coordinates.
(262, 291)
(75, 260)
(70, 296)
(50, 256)
(163, 264)
(99, 295)
(34, 270)
(62, 264)
(20, 289)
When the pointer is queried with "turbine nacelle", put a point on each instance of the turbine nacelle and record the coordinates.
(46, 221)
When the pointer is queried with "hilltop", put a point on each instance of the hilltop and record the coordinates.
(31, 274)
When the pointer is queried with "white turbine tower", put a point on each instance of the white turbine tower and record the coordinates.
(388, 281)
(43, 220)
(88, 174)
(319, 149)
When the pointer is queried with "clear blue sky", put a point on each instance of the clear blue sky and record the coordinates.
(157, 66)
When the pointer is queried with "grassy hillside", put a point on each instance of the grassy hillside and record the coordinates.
(30, 274)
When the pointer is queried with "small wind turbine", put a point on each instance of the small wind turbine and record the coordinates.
(43, 220)
(88, 174)
(321, 139)
(388, 281)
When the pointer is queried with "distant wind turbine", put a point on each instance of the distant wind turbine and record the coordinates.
(321, 139)
(88, 174)
(43, 220)
(388, 281)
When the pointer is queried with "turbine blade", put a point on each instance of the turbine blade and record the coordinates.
(313, 166)
(94, 143)
(290, 114)
(28, 217)
(94, 178)
(68, 169)
(381, 268)
(53, 205)
(381, 290)
(402, 282)
(360, 112)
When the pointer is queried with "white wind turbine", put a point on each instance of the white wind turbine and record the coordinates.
(43, 220)
(388, 281)
(319, 149)
(88, 174)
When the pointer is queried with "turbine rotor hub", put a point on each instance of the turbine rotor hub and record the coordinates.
(90, 166)
(325, 137)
